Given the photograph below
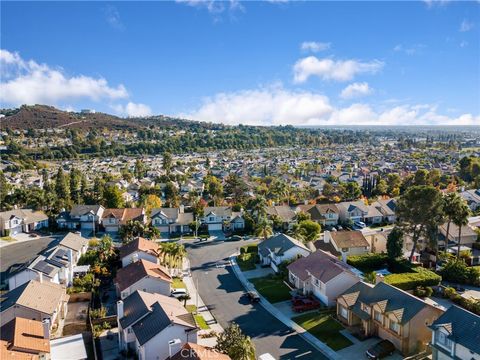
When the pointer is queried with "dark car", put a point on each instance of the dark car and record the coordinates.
(234, 238)
(253, 296)
(380, 350)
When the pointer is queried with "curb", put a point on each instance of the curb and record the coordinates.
(320, 346)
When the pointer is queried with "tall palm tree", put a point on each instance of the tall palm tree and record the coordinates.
(461, 219)
(451, 204)
(263, 229)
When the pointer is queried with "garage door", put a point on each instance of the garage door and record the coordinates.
(16, 230)
(214, 227)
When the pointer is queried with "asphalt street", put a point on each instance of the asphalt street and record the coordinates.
(223, 293)
(14, 256)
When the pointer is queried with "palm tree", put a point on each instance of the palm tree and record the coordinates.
(171, 255)
(263, 229)
(461, 219)
(451, 204)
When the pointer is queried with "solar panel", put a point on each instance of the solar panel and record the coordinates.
(43, 267)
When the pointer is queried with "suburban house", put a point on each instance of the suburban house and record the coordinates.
(343, 243)
(324, 214)
(220, 218)
(322, 275)
(377, 239)
(113, 219)
(390, 313)
(192, 351)
(283, 212)
(85, 217)
(387, 208)
(472, 197)
(359, 211)
(137, 249)
(35, 300)
(279, 248)
(172, 220)
(148, 322)
(25, 339)
(456, 335)
(19, 221)
(467, 236)
(77, 243)
(143, 275)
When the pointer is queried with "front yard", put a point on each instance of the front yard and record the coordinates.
(177, 283)
(325, 328)
(247, 261)
(272, 288)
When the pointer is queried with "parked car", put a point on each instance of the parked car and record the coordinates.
(359, 224)
(380, 350)
(177, 293)
(253, 296)
(234, 238)
(305, 304)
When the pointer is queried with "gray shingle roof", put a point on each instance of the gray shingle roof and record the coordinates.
(464, 327)
(279, 244)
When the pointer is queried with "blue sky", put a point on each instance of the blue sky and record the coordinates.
(301, 63)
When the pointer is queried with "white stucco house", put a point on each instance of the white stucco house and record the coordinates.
(280, 248)
(137, 249)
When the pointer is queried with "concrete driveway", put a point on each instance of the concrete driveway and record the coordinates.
(217, 234)
(258, 272)
(357, 351)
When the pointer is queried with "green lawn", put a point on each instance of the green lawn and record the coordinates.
(177, 283)
(246, 261)
(7, 238)
(324, 328)
(191, 308)
(272, 288)
(201, 322)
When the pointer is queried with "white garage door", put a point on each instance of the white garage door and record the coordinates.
(214, 227)
(16, 230)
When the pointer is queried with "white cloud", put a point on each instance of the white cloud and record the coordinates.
(133, 110)
(28, 82)
(433, 3)
(276, 105)
(466, 26)
(264, 106)
(356, 90)
(214, 7)
(113, 17)
(314, 46)
(328, 69)
(409, 50)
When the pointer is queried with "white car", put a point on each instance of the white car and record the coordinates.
(177, 293)
(360, 224)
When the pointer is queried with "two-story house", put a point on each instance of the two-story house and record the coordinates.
(472, 197)
(323, 275)
(172, 220)
(284, 213)
(359, 211)
(221, 218)
(279, 248)
(456, 335)
(113, 219)
(324, 214)
(390, 313)
(343, 243)
(137, 249)
(387, 208)
(84, 217)
(143, 275)
(18, 221)
(148, 322)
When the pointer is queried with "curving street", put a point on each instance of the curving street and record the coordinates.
(222, 292)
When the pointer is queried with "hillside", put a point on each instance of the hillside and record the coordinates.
(47, 117)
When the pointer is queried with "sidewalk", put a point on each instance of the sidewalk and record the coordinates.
(202, 309)
(18, 240)
(324, 349)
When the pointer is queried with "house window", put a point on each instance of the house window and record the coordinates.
(378, 316)
(211, 218)
(343, 312)
(442, 339)
(394, 326)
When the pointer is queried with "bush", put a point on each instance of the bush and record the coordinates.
(423, 292)
(252, 248)
(89, 258)
(368, 262)
(457, 271)
(98, 313)
(472, 305)
(409, 281)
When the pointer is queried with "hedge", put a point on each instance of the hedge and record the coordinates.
(411, 280)
(251, 248)
(368, 262)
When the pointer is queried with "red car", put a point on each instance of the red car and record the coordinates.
(301, 305)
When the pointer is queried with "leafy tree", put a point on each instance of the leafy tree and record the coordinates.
(421, 177)
(393, 182)
(152, 202)
(418, 208)
(62, 188)
(350, 191)
(263, 228)
(112, 197)
(395, 243)
(309, 230)
(258, 208)
(235, 187)
(98, 189)
(235, 344)
(214, 188)
(381, 188)
(171, 194)
(167, 162)
(75, 182)
(302, 216)
(4, 189)
(140, 169)
(327, 189)
(105, 248)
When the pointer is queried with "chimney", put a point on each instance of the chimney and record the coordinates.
(120, 309)
(344, 256)
(326, 236)
(40, 277)
(46, 328)
(181, 209)
(379, 278)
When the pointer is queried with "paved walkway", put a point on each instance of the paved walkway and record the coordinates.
(202, 309)
(323, 348)
(258, 272)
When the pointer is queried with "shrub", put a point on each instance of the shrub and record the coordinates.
(457, 271)
(251, 248)
(98, 313)
(411, 280)
(422, 292)
(368, 262)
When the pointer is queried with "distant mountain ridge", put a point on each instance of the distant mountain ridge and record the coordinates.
(49, 117)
